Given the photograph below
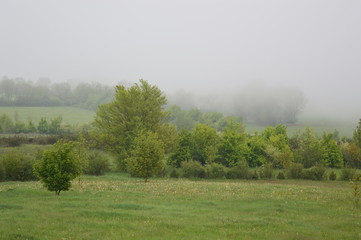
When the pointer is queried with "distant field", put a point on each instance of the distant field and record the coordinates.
(319, 125)
(118, 207)
(74, 116)
(70, 115)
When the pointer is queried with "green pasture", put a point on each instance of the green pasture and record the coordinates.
(118, 207)
(319, 125)
(70, 115)
(78, 116)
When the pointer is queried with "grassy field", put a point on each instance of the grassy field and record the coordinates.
(319, 125)
(77, 116)
(70, 115)
(118, 207)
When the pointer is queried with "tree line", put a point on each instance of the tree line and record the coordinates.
(44, 126)
(136, 129)
(19, 92)
(137, 118)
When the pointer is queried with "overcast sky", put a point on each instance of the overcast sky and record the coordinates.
(195, 45)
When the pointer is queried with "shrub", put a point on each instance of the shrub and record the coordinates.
(58, 167)
(348, 174)
(281, 175)
(294, 171)
(241, 171)
(314, 173)
(98, 163)
(266, 171)
(332, 176)
(2, 171)
(215, 170)
(174, 173)
(16, 166)
(193, 169)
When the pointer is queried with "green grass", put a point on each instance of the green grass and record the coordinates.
(118, 207)
(319, 125)
(70, 115)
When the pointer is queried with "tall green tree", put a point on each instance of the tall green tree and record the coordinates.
(43, 126)
(233, 147)
(205, 144)
(184, 150)
(332, 155)
(278, 151)
(309, 150)
(134, 110)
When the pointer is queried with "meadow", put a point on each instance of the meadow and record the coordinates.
(78, 116)
(115, 206)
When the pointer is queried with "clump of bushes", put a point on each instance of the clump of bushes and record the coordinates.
(215, 170)
(98, 163)
(241, 171)
(294, 171)
(314, 173)
(16, 166)
(193, 169)
(332, 176)
(266, 171)
(281, 176)
(174, 173)
(348, 174)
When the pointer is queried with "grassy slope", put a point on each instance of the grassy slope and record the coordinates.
(70, 115)
(118, 207)
(319, 125)
(73, 116)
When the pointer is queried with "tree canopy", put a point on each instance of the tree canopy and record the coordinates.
(134, 111)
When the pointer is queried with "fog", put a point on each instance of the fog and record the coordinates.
(201, 47)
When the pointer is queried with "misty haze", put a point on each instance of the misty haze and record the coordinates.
(192, 119)
(215, 50)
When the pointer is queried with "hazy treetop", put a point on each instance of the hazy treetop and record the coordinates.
(196, 45)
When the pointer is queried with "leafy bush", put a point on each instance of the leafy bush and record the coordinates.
(215, 170)
(193, 169)
(241, 171)
(58, 167)
(294, 171)
(332, 176)
(2, 171)
(174, 173)
(98, 163)
(314, 173)
(266, 171)
(348, 174)
(16, 166)
(281, 176)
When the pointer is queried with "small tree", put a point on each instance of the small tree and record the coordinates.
(58, 167)
(43, 126)
(146, 156)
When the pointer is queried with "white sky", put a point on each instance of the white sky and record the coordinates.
(196, 45)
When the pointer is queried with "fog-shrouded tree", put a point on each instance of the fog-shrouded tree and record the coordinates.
(308, 149)
(357, 135)
(134, 110)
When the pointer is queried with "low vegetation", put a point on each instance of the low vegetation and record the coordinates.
(237, 185)
(116, 206)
